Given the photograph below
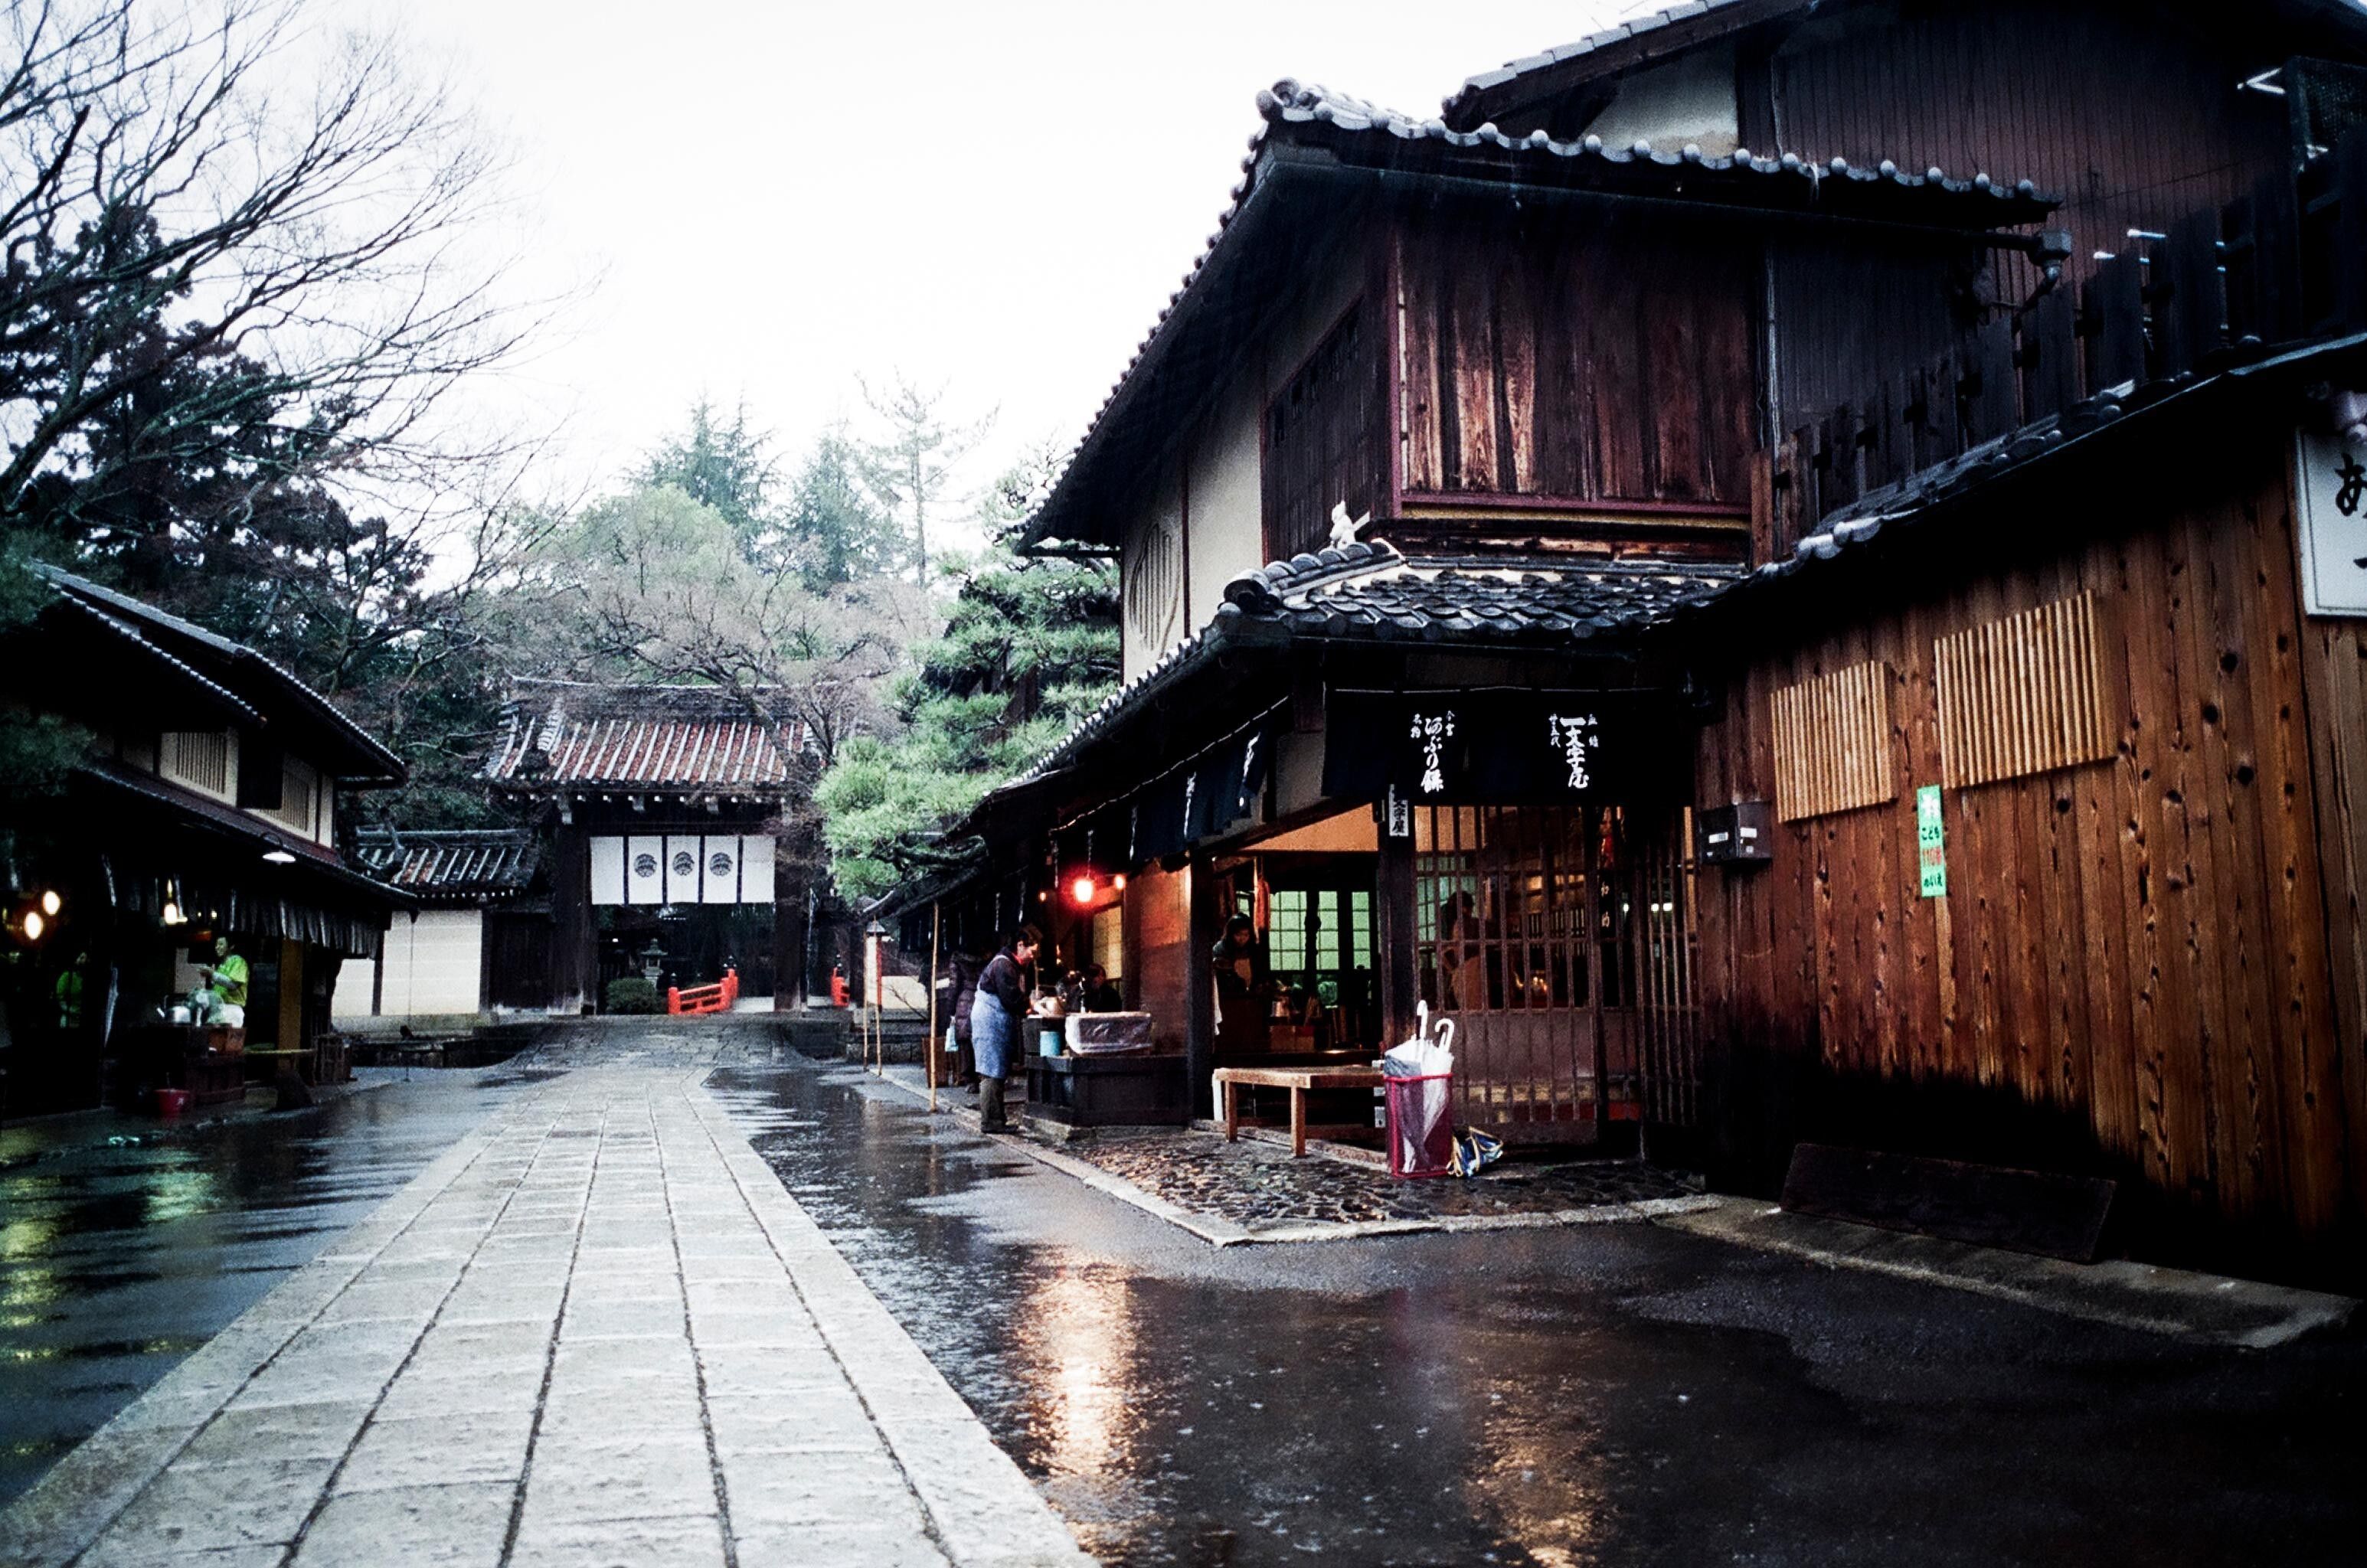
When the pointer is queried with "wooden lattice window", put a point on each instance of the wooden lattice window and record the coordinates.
(201, 759)
(1832, 743)
(2024, 695)
(1153, 570)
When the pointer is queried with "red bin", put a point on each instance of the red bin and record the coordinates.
(171, 1102)
(1421, 1125)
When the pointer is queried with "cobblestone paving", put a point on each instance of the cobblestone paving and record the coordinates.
(597, 1331)
(1258, 1186)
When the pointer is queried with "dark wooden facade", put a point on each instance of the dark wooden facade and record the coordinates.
(2145, 966)
(2148, 962)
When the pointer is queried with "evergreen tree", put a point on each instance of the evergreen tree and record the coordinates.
(721, 466)
(830, 531)
(1029, 648)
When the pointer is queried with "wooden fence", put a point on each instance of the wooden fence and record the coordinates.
(2223, 286)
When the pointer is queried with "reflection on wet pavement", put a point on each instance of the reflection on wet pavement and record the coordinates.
(1605, 1394)
(125, 1244)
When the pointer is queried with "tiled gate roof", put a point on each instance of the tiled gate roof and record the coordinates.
(567, 734)
(450, 865)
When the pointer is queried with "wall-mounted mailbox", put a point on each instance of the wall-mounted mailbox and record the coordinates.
(1726, 835)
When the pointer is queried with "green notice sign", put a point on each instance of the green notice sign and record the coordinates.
(1930, 842)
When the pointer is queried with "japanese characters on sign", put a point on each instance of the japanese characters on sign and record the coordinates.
(2332, 472)
(1492, 745)
(1432, 731)
(1930, 842)
(1574, 737)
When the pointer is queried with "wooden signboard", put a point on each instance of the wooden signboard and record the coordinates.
(2331, 518)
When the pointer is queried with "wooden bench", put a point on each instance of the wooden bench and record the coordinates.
(1297, 1080)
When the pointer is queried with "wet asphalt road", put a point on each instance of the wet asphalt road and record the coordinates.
(119, 1258)
(1615, 1395)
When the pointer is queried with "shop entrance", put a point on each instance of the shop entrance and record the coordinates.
(1559, 940)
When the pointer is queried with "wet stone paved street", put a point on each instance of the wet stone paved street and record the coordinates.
(1259, 1186)
(1550, 1396)
(594, 1331)
(126, 1244)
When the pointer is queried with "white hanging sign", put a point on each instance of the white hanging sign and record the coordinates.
(2332, 521)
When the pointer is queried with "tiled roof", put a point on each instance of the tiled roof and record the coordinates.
(469, 863)
(263, 688)
(2095, 420)
(1316, 114)
(1476, 94)
(1371, 591)
(1352, 131)
(577, 735)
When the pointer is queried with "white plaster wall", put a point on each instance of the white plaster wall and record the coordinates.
(351, 999)
(1688, 101)
(1225, 500)
(433, 961)
(1222, 493)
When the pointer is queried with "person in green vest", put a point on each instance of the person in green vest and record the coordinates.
(69, 994)
(227, 977)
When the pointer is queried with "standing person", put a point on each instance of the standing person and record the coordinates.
(965, 971)
(994, 1022)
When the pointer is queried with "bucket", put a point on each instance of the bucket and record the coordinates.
(171, 1102)
(1048, 1042)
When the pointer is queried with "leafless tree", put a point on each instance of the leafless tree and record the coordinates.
(188, 192)
(909, 468)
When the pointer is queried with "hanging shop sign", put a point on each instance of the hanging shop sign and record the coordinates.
(1487, 747)
(1930, 842)
(1204, 798)
(2332, 470)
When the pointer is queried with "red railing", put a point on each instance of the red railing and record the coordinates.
(717, 997)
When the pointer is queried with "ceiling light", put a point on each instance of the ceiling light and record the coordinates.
(279, 857)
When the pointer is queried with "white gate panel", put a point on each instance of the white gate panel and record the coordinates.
(720, 869)
(756, 870)
(645, 870)
(608, 871)
(681, 870)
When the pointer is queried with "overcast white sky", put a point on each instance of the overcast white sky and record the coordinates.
(777, 196)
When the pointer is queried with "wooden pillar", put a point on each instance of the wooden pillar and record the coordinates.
(1207, 924)
(574, 956)
(291, 995)
(1394, 927)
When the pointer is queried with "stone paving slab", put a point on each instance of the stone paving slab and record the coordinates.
(597, 1330)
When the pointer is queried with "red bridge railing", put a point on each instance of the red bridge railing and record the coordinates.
(717, 997)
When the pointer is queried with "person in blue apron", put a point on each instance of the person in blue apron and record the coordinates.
(995, 1019)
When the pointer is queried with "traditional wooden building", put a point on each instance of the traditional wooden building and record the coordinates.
(478, 941)
(1647, 363)
(203, 808)
(661, 808)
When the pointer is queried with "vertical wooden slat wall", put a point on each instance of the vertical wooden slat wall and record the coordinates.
(2151, 964)
(2023, 693)
(1832, 742)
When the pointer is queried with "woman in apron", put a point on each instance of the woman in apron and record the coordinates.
(994, 1022)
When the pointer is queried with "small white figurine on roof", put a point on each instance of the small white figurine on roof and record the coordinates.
(1343, 530)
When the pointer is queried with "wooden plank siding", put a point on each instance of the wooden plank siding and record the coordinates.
(2151, 965)
(2133, 123)
(1584, 356)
